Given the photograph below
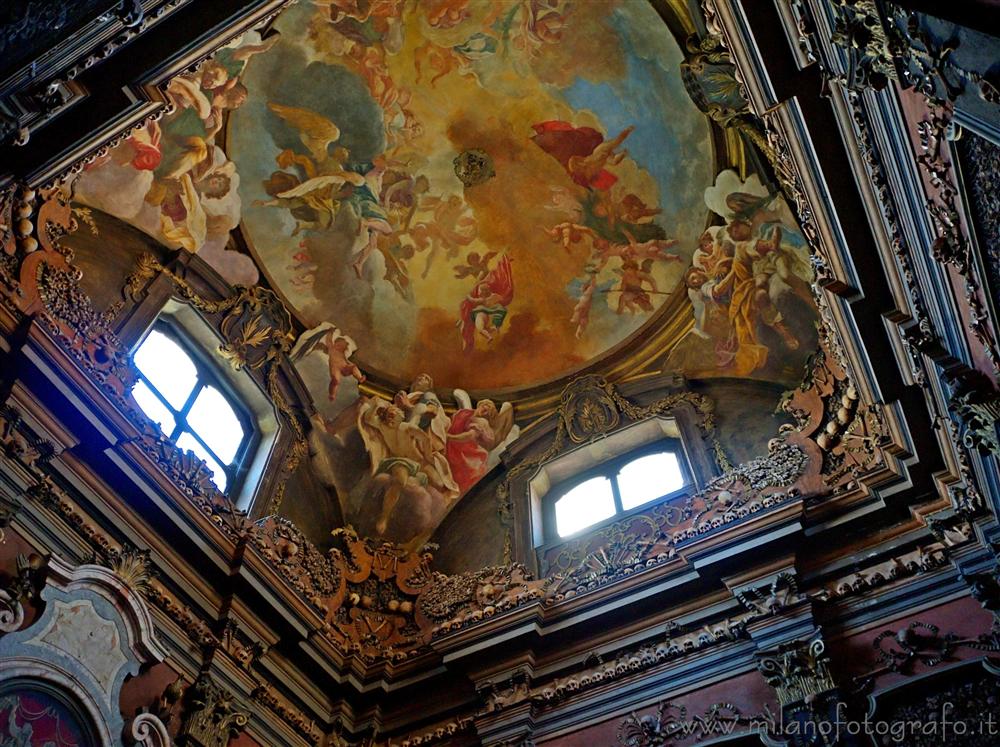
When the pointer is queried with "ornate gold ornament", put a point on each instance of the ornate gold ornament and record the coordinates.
(798, 671)
(20, 589)
(474, 167)
(207, 713)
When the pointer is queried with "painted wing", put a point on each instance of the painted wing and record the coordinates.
(562, 141)
(315, 130)
(322, 182)
(501, 280)
(309, 341)
(466, 325)
(463, 399)
(371, 434)
(504, 434)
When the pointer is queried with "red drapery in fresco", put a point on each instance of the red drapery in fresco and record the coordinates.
(33, 718)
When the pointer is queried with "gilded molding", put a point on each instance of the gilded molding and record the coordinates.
(207, 713)
(266, 696)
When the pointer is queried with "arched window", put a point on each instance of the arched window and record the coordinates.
(616, 487)
(178, 389)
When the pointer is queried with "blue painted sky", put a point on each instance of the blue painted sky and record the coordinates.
(645, 98)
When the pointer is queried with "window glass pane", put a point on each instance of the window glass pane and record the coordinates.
(212, 417)
(648, 478)
(190, 443)
(588, 503)
(153, 407)
(168, 368)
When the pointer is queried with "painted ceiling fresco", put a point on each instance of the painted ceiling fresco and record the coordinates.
(484, 199)
(464, 195)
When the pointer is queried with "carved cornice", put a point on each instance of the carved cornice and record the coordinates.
(306, 727)
(439, 734)
(39, 100)
(913, 563)
(953, 246)
(367, 593)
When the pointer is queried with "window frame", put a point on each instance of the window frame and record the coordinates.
(610, 470)
(207, 375)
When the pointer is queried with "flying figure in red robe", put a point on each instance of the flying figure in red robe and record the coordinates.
(485, 308)
(582, 151)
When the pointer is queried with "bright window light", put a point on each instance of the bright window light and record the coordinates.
(174, 391)
(213, 418)
(167, 368)
(649, 477)
(158, 412)
(588, 503)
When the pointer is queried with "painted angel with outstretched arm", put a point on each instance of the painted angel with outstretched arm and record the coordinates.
(485, 308)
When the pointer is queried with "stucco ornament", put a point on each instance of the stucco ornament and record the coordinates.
(93, 632)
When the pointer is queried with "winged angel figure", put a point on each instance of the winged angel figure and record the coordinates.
(477, 436)
(338, 347)
(485, 308)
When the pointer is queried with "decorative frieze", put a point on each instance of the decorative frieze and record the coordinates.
(673, 724)
(266, 696)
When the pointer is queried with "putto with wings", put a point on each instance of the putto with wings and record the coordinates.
(485, 308)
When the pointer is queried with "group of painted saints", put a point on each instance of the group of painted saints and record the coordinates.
(739, 276)
(414, 443)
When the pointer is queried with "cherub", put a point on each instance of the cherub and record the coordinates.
(634, 210)
(634, 297)
(585, 299)
(570, 233)
(652, 249)
(338, 348)
(478, 267)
